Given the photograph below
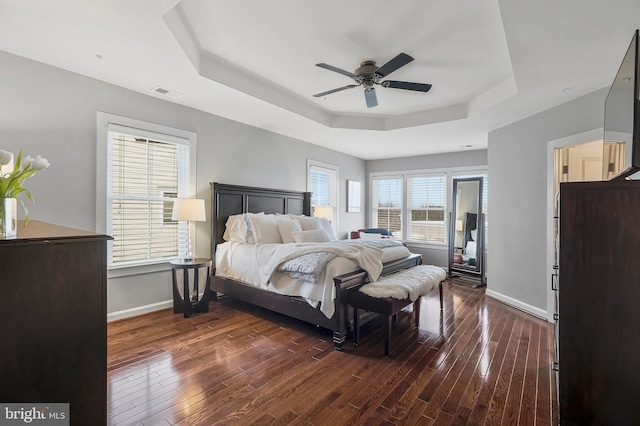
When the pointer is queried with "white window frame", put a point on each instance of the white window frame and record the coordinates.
(108, 122)
(451, 173)
(408, 208)
(374, 201)
(335, 187)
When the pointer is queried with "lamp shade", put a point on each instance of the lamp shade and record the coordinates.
(324, 211)
(188, 209)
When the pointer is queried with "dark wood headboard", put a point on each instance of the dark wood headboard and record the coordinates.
(227, 200)
(470, 224)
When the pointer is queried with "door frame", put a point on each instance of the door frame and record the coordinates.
(577, 139)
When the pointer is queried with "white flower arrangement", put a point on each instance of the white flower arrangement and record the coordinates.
(11, 181)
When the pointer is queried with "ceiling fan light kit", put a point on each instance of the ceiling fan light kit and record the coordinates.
(368, 75)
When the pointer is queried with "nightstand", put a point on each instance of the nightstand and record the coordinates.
(188, 302)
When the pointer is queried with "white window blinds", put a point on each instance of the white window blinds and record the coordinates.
(146, 172)
(321, 186)
(387, 204)
(426, 208)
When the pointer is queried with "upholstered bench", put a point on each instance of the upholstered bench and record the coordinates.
(392, 293)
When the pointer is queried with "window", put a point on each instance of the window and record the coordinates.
(144, 171)
(387, 204)
(415, 205)
(323, 185)
(426, 208)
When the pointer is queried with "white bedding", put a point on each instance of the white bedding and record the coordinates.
(469, 251)
(256, 264)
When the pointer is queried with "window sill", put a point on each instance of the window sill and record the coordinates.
(422, 244)
(129, 270)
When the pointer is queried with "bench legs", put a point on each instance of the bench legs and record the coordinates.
(389, 321)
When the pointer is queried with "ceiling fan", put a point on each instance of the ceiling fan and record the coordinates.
(369, 74)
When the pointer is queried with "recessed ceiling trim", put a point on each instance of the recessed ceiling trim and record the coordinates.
(432, 116)
(224, 72)
(218, 69)
(494, 96)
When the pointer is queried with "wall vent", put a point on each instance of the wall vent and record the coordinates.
(166, 92)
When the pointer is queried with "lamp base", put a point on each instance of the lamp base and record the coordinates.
(187, 259)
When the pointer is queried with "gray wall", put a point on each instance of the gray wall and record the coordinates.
(52, 112)
(431, 256)
(518, 170)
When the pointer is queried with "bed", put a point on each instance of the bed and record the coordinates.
(233, 200)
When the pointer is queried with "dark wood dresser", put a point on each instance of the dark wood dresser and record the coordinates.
(599, 303)
(53, 309)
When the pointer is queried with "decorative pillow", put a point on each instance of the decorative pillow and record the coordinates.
(326, 226)
(308, 223)
(367, 236)
(250, 238)
(474, 234)
(265, 229)
(381, 231)
(286, 227)
(312, 236)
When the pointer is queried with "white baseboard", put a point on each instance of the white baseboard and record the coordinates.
(536, 312)
(139, 310)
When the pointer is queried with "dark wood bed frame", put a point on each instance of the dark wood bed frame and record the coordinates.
(228, 200)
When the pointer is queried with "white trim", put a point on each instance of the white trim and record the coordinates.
(532, 310)
(429, 245)
(450, 170)
(577, 139)
(105, 123)
(331, 168)
(311, 162)
(450, 173)
(139, 310)
(130, 270)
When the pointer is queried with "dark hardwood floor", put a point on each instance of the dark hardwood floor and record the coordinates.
(477, 362)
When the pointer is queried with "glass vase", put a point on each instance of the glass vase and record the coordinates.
(8, 218)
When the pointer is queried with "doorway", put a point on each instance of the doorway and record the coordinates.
(570, 159)
(577, 163)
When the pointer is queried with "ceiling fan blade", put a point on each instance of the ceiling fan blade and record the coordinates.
(370, 96)
(328, 92)
(335, 69)
(418, 87)
(399, 61)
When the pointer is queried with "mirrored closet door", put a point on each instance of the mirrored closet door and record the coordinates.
(466, 232)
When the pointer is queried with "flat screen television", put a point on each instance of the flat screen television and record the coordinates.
(621, 154)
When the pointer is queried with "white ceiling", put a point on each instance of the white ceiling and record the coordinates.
(490, 62)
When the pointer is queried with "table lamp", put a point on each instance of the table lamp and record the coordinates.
(188, 209)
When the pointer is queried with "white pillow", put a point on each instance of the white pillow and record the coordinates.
(326, 226)
(308, 223)
(235, 229)
(312, 236)
(238, 228)
(474, 234)
(265, 229)
(286, 227)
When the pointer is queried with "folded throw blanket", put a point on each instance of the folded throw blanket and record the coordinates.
(408, 283)
(308, 266)
(366, 257)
